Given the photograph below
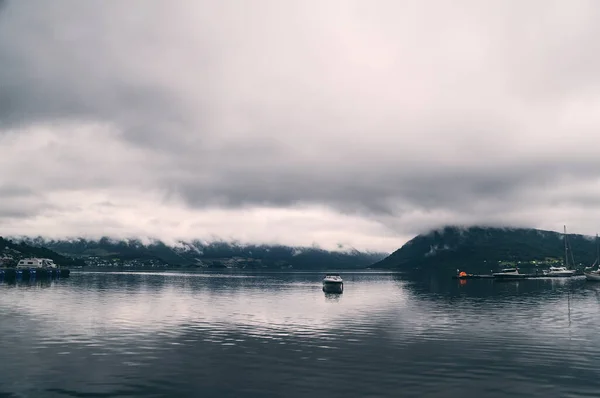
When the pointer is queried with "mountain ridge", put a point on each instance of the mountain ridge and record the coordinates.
(106, 251)
(481, 249)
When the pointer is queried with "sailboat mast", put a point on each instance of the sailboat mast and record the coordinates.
(566, 255)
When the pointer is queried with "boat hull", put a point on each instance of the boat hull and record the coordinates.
(333, 287)
(592, 277)
(560, 274)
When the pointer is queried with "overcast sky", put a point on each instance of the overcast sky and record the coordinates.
(304, 122)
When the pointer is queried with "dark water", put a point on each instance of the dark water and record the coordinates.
(279, 335)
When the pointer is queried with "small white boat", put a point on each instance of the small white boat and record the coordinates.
(562, 271)
(594, 276)
(333, 283)
(559, 271)
(509, 273)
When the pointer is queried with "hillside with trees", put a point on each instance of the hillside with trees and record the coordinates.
(219, 254)
(482, 249)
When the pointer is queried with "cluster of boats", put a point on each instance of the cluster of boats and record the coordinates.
(513, 273)
(591, 273)
(560, 272)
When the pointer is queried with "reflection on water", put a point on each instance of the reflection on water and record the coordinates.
(279, 334)
(333, 297)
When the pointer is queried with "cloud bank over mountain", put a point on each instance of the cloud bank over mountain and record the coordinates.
(297, 122)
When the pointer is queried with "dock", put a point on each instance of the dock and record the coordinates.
(511, 277)
(473, 277)
(10, 273)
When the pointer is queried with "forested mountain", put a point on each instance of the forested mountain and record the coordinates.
(207, 254)
(481, 249)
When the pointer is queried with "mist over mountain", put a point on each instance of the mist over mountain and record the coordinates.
(474, 249)
(220, 254)
(482, 249)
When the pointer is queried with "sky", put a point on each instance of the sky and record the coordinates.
(331, 123)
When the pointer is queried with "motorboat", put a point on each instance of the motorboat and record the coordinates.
(559, 271)
(509, 273)
(333, 283)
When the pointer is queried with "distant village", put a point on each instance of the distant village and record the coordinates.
(11, 259)
(235, 262)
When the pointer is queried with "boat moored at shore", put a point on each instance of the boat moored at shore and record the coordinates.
(559, 271)
(509, 273)
(563, 271)
(34, 263)
(34, 268)
(591, 274)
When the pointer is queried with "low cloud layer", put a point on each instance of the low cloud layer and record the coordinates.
(297, 122)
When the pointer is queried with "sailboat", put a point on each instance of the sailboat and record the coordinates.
(594, 275)
(562, 271)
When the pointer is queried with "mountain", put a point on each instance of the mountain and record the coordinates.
(481, 249)
(107, 251)
(11, 252)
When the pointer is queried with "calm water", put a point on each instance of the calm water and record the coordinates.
(279, 335)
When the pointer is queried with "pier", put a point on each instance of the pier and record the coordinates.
(470, 276)
(512, 277)
(9, 273)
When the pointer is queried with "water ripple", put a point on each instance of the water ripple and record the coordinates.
(278, 334)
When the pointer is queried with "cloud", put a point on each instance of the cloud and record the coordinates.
(385, 119)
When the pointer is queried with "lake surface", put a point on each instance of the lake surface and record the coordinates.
(279, 335)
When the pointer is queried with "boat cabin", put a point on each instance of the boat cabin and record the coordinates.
(556, 269)
(332, 278)
(509, 271)
(36, 263)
